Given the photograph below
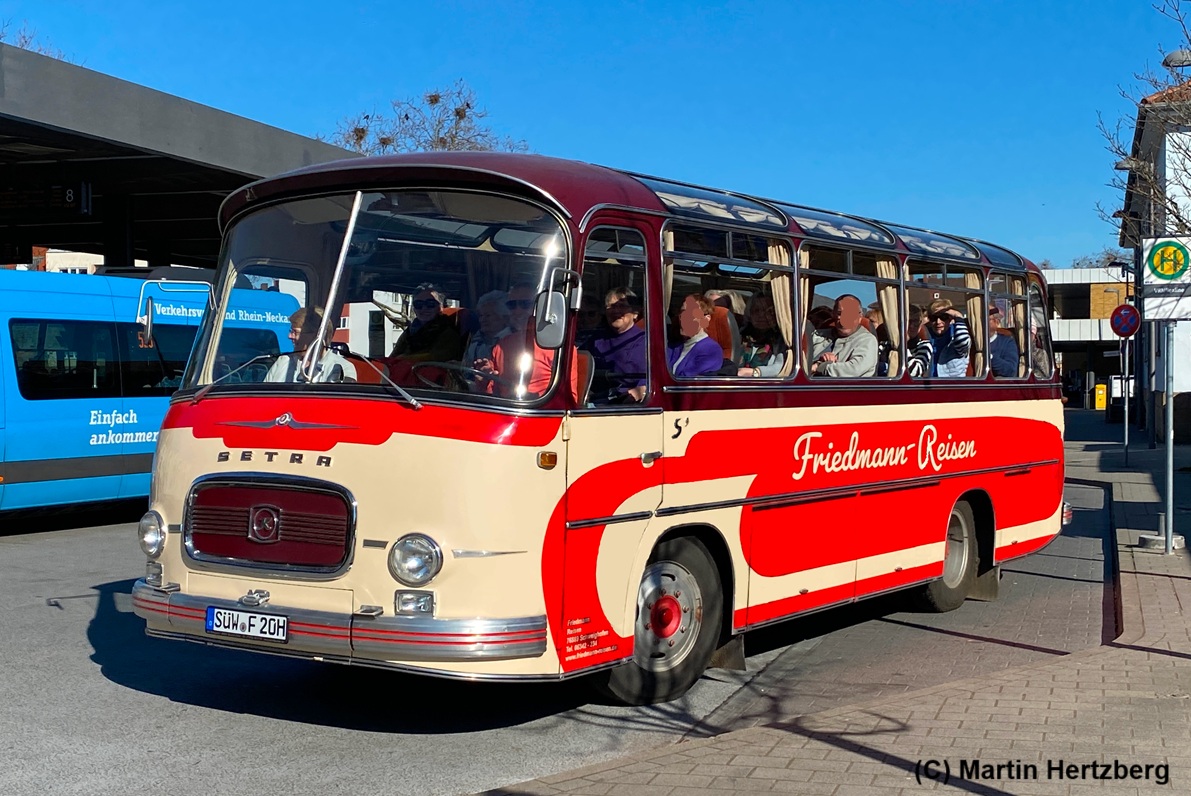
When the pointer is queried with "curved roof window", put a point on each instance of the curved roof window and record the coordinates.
(835, 226)
(998, 256)
(920, 241)
(684, 200)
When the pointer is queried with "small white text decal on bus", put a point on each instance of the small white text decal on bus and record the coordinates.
(113, 419)
(931, 453)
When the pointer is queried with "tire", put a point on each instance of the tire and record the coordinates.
(960, 562)
(680, 608)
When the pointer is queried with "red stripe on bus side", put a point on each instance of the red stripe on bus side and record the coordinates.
(892, 580)
(950, 457)
(1018, 549)
(358, 421)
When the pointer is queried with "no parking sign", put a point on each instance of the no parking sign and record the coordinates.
(1125, 320)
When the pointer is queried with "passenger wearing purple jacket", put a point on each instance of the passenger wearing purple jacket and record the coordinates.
(698, 354)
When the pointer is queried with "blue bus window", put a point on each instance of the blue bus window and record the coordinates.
(64, 359)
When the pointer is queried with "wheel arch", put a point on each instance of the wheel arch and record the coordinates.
(986, 528)
(721, 555)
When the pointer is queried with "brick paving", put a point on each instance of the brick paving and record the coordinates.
(1057, 726)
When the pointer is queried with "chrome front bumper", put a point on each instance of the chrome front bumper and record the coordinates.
(353, 636)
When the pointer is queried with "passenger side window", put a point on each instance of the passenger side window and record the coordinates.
(850, 310)
(1007, 326)
(948, 301)
(736, 289)
(64, 359)
(611, 343)
(1041, 358)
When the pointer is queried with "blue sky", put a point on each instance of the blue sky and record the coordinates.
(977, 118)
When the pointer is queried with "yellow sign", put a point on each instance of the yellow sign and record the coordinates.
(1168, 260)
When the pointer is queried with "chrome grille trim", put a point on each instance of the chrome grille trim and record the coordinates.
(344, 534)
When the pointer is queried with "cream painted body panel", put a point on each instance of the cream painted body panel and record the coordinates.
(442, 487)
(488, 497)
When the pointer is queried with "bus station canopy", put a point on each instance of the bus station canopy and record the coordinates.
(91, 163)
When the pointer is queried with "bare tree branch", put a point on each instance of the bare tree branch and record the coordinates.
(1152, 149)
(27, 39)
(442, 119)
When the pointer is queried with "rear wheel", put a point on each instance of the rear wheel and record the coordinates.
(960, 561)
(679, 615)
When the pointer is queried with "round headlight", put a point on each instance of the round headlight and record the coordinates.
(151, 531)
(415, 559)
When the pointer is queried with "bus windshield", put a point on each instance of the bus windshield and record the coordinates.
(432, 290)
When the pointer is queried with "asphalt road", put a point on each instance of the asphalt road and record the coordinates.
(93, 706)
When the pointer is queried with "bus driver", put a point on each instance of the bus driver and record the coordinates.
(332, 367)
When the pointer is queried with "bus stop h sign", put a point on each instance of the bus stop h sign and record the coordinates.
(1166, 279)
(1125, 320)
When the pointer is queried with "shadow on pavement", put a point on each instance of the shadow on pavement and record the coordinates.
(349, 697)
(22, 521)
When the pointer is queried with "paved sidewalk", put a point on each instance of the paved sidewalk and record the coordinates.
(1110, 720)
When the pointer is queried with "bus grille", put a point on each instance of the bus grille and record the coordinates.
(267, 525)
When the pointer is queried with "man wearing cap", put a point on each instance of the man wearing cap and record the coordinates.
(1002, 348)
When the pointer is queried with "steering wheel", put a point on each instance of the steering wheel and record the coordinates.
(457, 367)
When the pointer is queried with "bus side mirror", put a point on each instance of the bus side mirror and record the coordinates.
(148, 322)
(550, 319)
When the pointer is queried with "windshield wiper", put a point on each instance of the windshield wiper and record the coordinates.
(414, 402)
(201, 394)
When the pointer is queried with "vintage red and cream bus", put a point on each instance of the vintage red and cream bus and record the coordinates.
(553, 419)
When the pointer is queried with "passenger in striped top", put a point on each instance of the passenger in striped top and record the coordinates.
(950, 338)
(918, 343)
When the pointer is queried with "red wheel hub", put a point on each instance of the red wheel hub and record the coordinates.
(665, 617)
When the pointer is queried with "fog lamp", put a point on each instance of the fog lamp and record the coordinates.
(414, 602)
(415, 559)
(151, 531)
(153, 573)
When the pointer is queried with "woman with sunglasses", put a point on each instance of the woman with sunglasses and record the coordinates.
(432, 337)
(949, 338)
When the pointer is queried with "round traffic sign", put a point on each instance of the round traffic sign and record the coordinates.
(1125, 320)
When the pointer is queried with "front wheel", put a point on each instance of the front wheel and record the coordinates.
(960, 560)
(679, 616)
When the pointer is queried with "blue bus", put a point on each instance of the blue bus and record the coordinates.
(83, 394)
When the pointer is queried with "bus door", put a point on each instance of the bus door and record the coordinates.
(614, 478)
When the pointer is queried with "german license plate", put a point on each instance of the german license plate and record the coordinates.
(269, 627)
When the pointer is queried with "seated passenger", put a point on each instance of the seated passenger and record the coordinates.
(950, 338)
(918, 343)
(698, 354)
(519, 367)
(764, 349)
(876, 324)
(620, 349)
(847, 350)
(730, 300)
(1002, 348)
(493, 315)
(331, 367)
(433, 336)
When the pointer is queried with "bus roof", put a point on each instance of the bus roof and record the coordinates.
(576, 189)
